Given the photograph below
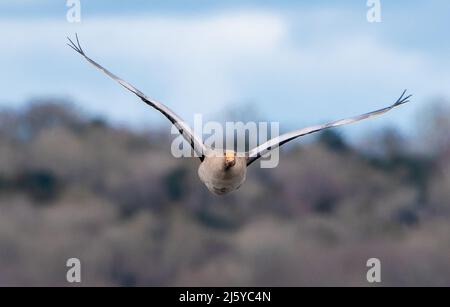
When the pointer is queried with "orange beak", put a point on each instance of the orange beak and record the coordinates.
(230, 159)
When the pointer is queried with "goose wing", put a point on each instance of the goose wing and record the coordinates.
(264, 148)
(184, 129)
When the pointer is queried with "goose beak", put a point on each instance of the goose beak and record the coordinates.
(230, 160)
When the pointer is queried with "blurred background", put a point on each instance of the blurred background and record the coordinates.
(86, 169)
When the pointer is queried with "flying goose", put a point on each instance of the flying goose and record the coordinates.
(223, 171)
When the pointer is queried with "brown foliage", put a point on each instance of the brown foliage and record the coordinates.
(134, 215)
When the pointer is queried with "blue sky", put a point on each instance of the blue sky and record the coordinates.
(297, 62)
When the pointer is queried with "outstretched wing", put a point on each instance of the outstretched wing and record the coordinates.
(264, 148)
(182, 127)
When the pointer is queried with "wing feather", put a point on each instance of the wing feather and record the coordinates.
(184, 129)
(264, 148)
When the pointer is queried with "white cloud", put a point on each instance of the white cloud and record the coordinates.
(202, 63)
(192, 54)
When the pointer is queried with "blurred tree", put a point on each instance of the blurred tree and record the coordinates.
(71, 185)
(44, 114)
(41, 185)
(333, 140)
(175, 184)
(433, 130)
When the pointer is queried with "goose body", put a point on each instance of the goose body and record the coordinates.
(223, 171)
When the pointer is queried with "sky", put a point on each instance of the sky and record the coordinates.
(295, 62)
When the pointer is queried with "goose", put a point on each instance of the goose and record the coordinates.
(223, 171)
